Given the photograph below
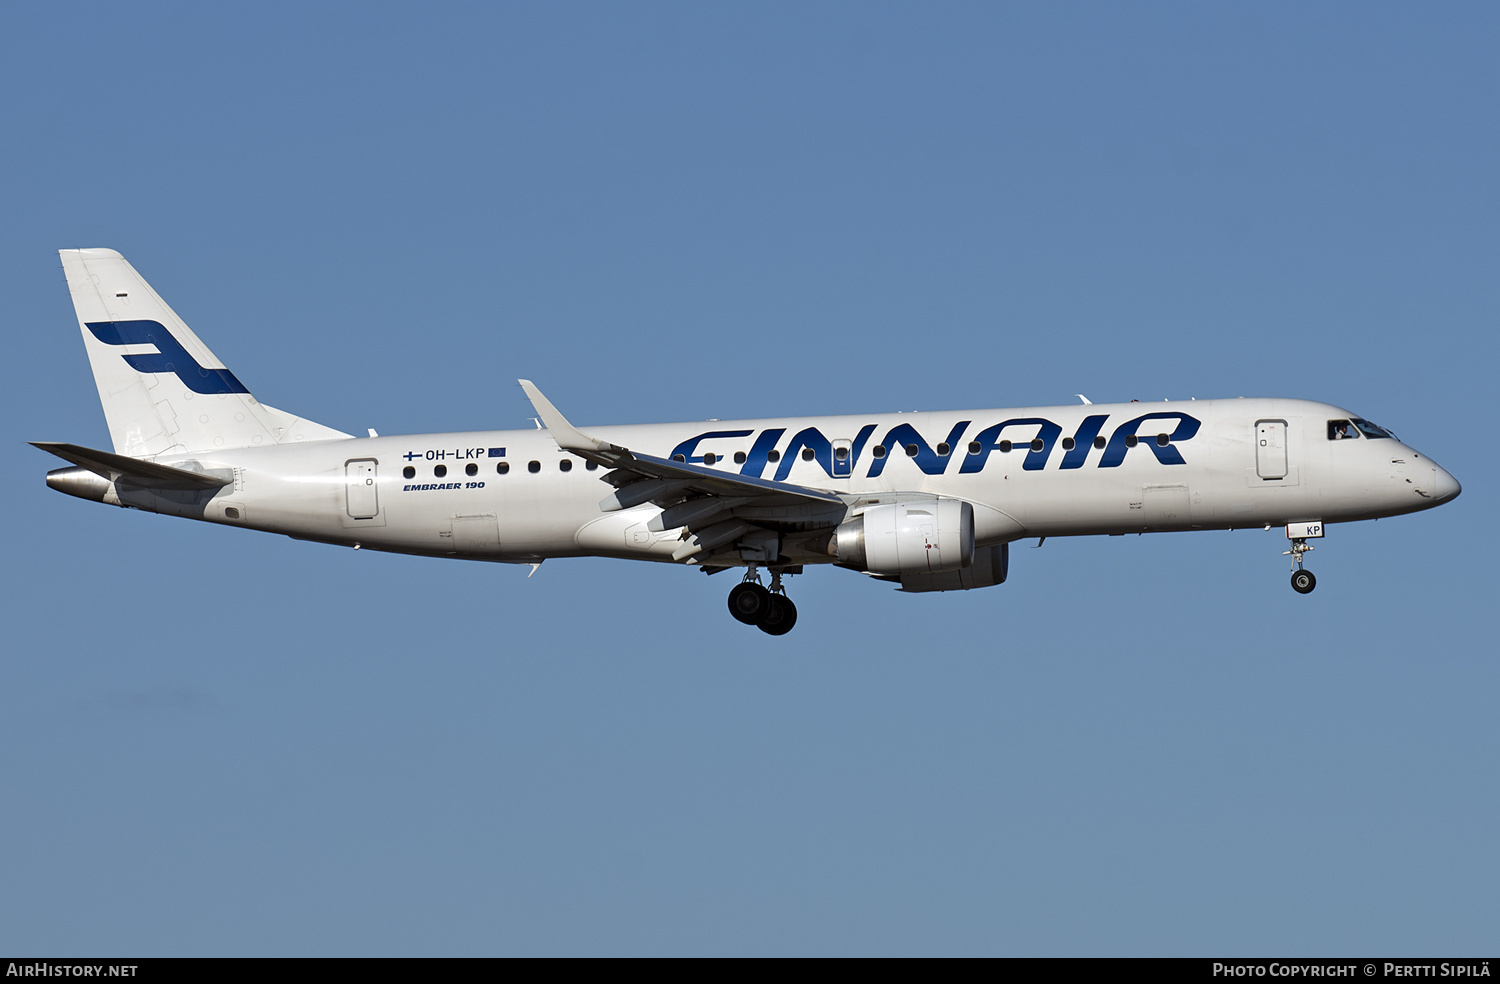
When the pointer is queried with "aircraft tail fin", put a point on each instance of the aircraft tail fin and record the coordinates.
(163, 391)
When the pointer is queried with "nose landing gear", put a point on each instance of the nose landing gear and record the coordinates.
(1302, 581)
(770, 610)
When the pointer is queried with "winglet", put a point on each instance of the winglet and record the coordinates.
(568, 437)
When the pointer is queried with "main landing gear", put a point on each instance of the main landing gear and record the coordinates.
(769, 609)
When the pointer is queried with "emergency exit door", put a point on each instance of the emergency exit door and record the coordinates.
(360, 489)
(1270, 449)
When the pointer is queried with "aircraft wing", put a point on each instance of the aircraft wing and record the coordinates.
(708, 481)
(683, 476)
(701, 500)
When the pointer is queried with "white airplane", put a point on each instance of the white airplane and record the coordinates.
(930, 501)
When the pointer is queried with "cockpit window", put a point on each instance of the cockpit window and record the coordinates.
(1371, 430)
(1342, 430)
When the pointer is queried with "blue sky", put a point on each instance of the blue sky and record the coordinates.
(222, 742)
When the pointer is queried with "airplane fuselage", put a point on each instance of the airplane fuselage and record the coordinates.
(1036, 471)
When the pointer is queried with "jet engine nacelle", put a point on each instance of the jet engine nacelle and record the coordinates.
(988, 570)
(926, 536)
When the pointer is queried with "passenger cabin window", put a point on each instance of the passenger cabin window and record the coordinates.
(441, 471)
(408, 472)
(502, 468)
(739, 457)
(565, 465)
(533, 466)
(1341, 430)
(471, 469)
(808, 454)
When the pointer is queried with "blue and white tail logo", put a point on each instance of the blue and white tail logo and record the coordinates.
(169, 356)
(134, 341)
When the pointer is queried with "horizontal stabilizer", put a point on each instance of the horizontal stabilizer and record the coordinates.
(145, 473)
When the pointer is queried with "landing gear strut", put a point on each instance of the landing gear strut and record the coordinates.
(768, 609)
(1302, 581)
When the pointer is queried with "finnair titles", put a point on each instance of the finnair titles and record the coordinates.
(929, 501)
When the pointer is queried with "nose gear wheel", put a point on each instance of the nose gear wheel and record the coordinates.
(1302, 581)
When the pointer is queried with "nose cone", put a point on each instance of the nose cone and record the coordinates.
(1447, 486)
